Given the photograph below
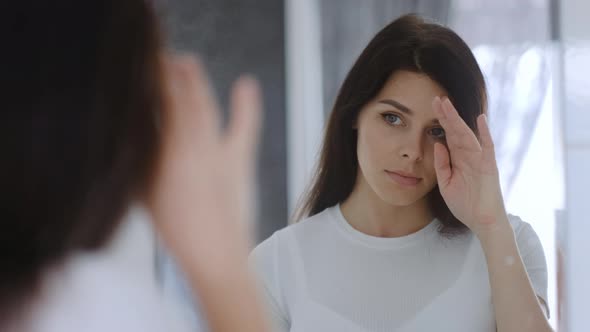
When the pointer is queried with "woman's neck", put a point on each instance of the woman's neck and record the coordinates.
(368, 213)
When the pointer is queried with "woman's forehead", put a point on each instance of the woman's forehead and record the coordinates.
(411, 85)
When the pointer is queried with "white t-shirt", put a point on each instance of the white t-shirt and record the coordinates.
(321, 274)
(113, 289)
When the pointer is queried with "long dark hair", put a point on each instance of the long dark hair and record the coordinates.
(408, 43)
(82, 94)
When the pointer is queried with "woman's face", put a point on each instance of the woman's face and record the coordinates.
(396, 135)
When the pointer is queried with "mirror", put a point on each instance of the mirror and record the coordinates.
(303, 50)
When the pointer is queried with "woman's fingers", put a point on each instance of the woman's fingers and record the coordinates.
(458, 133)
(487, 144)
(462, 144)
(191, 111)
(245, 122)
(442, 164)
(485, 136)
(175, 113)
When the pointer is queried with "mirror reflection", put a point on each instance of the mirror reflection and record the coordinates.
(298, 165)
(404, 223)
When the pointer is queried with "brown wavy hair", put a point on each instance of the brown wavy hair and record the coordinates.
(409, 43)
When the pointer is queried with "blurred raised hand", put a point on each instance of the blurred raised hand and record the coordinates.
(202, 195)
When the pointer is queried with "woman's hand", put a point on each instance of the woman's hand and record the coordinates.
(202, 198)
(466, 170)
(202, 195)
(469, 183)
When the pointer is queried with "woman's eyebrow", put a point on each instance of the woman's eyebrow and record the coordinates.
(397, 105)
(403, 108)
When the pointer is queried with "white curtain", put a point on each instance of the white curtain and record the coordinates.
(511, 41)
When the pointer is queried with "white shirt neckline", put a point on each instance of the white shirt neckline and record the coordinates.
(382, 242)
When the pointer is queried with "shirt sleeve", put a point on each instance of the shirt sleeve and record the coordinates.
(264, 260)
(97, 296)
(533, 257)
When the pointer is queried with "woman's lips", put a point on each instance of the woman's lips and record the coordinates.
(403, 179)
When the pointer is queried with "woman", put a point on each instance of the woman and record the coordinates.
(406, 228)
(104, 127)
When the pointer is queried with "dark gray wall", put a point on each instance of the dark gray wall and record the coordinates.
(348, 26)
(233, 37)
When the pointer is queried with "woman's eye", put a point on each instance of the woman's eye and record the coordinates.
(438, 133)
(392, 119)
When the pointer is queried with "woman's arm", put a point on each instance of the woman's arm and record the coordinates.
(202, 196)
(516, 305)
(468, 180)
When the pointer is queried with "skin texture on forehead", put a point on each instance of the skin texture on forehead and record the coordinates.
(413, 90)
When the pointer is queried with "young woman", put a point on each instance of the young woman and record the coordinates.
(406, 228)
(100, 127)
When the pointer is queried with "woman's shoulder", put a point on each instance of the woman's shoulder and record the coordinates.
(532, 254)
(521, 228)
(527, 238)
(517, 223)
(91, 292)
